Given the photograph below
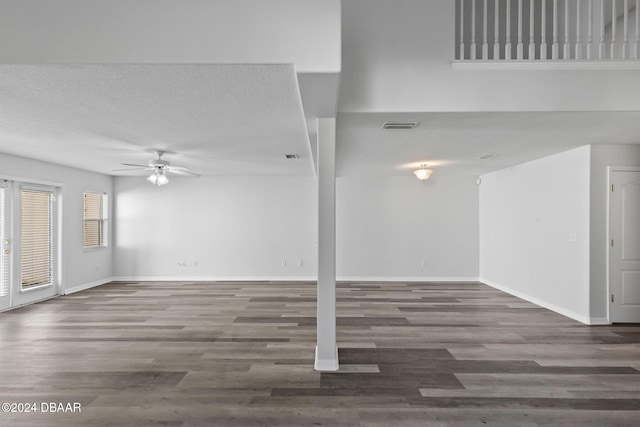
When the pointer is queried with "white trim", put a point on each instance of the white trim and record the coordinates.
(560, 310)
(407, 279)
(537, 65)
(292, 279)
(326, 365)
(214, 278)
(87, 286)
(599, 321)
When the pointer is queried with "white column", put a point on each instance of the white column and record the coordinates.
(326, 348)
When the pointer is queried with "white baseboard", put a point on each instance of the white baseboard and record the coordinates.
(560, 310)
(292, 279)
(407, 279)
(326, 365)
(599, 321)
(87, 286)
(214, 279)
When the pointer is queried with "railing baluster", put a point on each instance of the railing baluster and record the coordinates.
(532, 45)
(473, 30)
(625, 42)
(507, 46)
(485, 45)
(590, 36)
(566, 50)
(614, 16)
(543, 31)
(601, 47)
(578, 53)
(496, 27)
(462, 56)
(520, 47)
(637, 49)
(554, 46)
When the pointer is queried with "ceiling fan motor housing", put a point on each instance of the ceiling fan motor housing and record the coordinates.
(158, 163)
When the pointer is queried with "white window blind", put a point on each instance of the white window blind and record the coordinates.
(94, 220)
(36, 242)
(4, 258)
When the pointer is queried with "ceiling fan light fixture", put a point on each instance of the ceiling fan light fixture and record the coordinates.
(158, 178)
(423, 173)
(162, 180)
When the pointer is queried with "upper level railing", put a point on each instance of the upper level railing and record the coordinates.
(547, 30)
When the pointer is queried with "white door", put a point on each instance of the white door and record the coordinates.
(624, 251)
(5, 245)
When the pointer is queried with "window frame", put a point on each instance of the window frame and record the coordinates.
(103, 221)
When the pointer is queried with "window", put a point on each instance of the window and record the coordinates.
(94, 220)
(37, 242)
(4, 255)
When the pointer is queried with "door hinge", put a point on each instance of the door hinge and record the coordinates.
(611, 242)
(613, 187)
(612, 298)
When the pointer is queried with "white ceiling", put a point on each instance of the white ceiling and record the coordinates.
(452, 143)
(216, 119)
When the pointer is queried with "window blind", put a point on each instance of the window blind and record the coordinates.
(4, 258)
(94, 220)
(36, 243)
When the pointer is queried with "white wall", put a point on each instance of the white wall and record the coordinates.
(386, 227)
(603, 156)
(79, 267)
(304, 32)
(528, 214)
(244, 227)
(234, 227)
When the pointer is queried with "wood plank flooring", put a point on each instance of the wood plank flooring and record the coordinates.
(241, 354)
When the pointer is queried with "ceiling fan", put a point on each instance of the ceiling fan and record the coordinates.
(160, 169)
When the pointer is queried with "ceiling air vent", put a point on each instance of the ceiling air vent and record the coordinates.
(399, 125)
(489, 156)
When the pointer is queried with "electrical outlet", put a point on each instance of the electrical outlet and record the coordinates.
(573, 238)
(284, 262)
(423, 264)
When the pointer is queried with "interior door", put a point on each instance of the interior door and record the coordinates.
(5, 246)
(34, 258)
(624, 252)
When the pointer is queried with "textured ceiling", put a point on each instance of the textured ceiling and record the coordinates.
(215, 119)
(452, 143)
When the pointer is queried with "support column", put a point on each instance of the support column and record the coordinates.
(326, 348)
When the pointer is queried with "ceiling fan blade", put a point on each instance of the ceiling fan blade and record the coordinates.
(133, 169)
(181, 168)
(181, 172)
(131, 164)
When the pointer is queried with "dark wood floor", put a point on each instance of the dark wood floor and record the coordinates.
(241, 354)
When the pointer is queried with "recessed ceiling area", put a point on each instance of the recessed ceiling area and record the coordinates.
(215, 119)
(453, 143)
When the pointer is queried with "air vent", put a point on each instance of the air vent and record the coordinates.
(399, 125)
(291, 156)
(489, 156)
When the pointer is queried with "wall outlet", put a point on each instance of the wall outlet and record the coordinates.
(284, 262)
(423, 263)
(573, 238)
